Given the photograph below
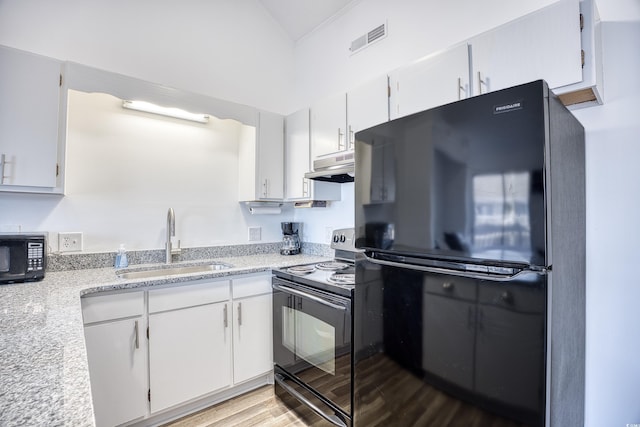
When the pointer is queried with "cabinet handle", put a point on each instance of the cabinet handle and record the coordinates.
(226, 322)
(460, 88)
(239, 314)
(305, 187)
(3, 161)
(265, 187)
(352, 140)
(480, 83)
(137, 335)
(340, 143)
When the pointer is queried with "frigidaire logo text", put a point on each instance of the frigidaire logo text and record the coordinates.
(505, 108)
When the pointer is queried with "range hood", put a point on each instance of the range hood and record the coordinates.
(334, 167)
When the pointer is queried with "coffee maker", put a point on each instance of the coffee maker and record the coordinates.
(290, 238)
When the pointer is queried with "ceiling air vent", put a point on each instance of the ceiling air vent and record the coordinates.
(367, 39)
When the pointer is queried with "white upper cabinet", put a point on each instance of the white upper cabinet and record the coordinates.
(438, 79)
(541, 45)
(29, 121)
(335, 119)
(367, 105)
(261, 156)
(298, 162)
(296, 155)
(590, 90)
(328, 125)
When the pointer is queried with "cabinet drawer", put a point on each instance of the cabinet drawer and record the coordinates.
(516, 297)
(183, 296)
(451, 286)
(112, 306)
(252, 285)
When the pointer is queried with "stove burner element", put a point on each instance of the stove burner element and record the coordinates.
(342, 278)
(332, 266)
(302, 269)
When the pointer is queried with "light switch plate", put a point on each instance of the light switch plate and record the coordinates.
(70, 241)
(255, 234)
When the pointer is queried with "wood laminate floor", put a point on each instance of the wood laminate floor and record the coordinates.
(389, 395)
(256, 408)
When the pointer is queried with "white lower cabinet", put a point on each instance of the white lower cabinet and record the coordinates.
(189, 354)
(252, 327)
(189, 342)
(204, 338)
(117, 352)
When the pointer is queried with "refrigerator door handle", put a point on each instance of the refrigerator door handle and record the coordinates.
(469, 274)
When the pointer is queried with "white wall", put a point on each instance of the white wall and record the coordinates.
(613, 232)
(125, 169)
(318, 222)
(416, 28)
(231, 50)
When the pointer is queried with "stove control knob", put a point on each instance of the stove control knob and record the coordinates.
(342, 238)
(336, 238)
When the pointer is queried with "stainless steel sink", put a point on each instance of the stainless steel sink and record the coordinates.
(173, 271)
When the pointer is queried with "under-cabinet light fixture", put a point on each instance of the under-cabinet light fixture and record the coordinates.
(177, 113)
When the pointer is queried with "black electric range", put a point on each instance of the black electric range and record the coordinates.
(312, 330)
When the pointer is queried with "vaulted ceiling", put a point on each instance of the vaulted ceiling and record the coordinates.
(299, 17)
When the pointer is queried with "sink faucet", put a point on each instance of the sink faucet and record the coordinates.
(171, 231)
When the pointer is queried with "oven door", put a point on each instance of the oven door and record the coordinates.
(312, 340)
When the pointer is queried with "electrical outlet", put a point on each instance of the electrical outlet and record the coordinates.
(255, 234)
(70, 241)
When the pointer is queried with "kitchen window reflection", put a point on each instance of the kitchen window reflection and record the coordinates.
(501, 213)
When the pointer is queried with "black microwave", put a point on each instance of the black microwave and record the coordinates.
(22, 257)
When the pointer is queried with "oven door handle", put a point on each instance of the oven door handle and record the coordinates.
(309, 296)
(333, 419)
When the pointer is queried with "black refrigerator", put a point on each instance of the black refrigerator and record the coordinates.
(469, 306)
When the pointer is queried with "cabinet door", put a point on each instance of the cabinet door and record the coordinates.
(270, 162)
(30, 88)
(252, 337)
(542, 45)
(435, 80)
(509, 348)
(328, 125)
(367, 105)
(298, 162)
(189, 353)
(449, 327)
(297, 155)
(117, 354)
(510, 342)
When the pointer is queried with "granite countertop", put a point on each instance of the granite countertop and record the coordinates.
(44, 376)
